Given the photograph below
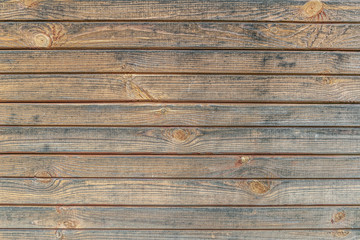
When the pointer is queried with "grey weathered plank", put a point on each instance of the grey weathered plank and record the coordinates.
(276, 10)
(33, 234)
(179, 217)
(179, 35)
(178, 191)
(241, 166)
(180, 140)
(153, 114)
(133, 87)
(179, 61)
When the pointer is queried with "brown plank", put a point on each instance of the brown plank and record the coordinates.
(277, 10)
(178, 192)
(240, 166)
(180, 234)
(179, 35)
(149, 114)
(179, 218)
(133, 87)
(184, 140)
(179, 61)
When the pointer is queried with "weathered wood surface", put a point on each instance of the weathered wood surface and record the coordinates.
(179, 35)
(213, 218)
(245, 10)
(153, 114)
(184, 119)
(180, 140)
(205, 88)
(33, 234)
(179, 191)
(179, 61)
(123, 166)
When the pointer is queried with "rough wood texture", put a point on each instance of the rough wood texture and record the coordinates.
(179, 35)
(133, 87)
(239, 166)
(185, 140)
(179, 119)
(180, 234)
(248, 10)
(178, 192)
(147, 114)
(181, 218)
(179, 61)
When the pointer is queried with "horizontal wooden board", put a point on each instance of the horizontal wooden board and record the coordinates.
(120, 166)
(150, 114)
(179, 35)
(180, 140)
(179, 61)
(179, 218)
(277, 10)
(178, 191)
(133, 87)
(180, 234)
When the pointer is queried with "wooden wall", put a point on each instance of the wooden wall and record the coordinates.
(182, 119)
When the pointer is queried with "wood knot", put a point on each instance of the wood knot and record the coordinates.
(181, 135)
(327, 81)
(274, 30)
(314, 9)
(59, 234)
(242, 160)
(162, 111)
(43, 176)
(42, 40)
(338, 217)
(259, 187)
(340, 233)
(70, 224)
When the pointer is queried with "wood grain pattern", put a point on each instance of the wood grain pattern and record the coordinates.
(134, 87)
(247, 10)
(182, 140)
(178, 192)
(179, 35)
(213, 218)
(150, 114)
(239, 166)
(180, 234)
(179, 61)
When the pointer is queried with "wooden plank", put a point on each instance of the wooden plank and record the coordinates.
(179, 61)
(179, 234)
(123, 166)
(179, 35)
(179, 192)
(263, 10)
(150, 114)
(184, 140)
(179, 218)
(133, 87)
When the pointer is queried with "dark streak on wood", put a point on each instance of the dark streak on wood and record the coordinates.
(245, 10)
(179, 61)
